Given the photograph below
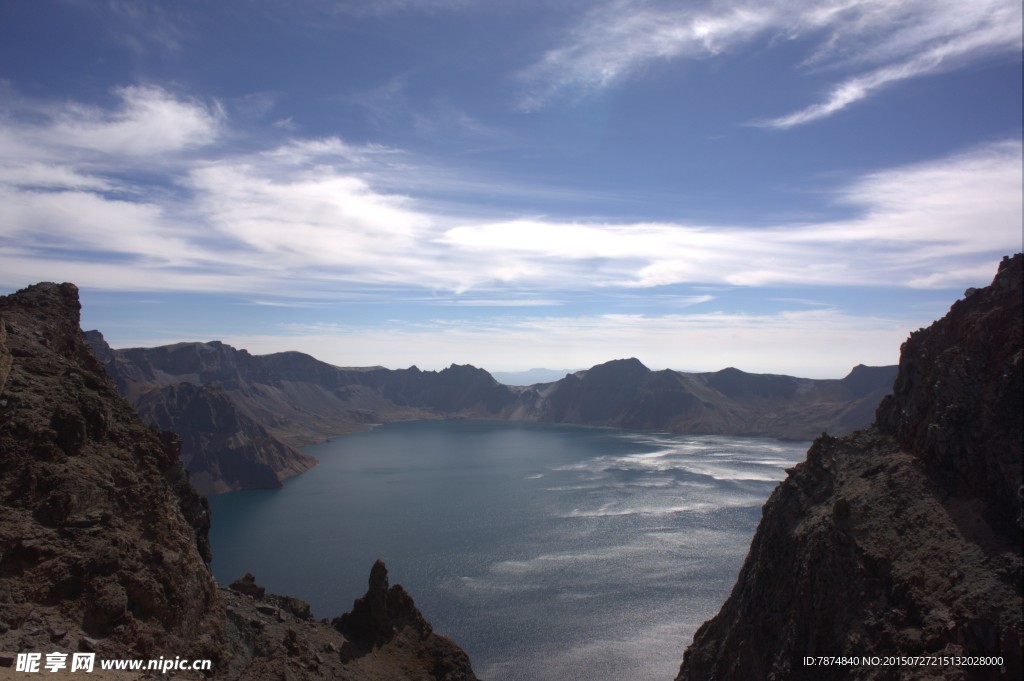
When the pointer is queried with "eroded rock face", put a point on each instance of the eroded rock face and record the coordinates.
(101, 534)
(901, 539)
(958, 403)
(222, 448)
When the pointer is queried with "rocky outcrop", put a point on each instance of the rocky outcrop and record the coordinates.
(101, 535)
(381, 612)
(276, 637)
(386, 613)
(103, 541)
(902, 539)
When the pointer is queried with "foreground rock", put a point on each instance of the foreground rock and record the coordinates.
(903, 539)
(101, 535)
(275, 637)
(104, 543)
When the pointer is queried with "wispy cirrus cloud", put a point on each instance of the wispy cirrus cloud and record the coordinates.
(948, 40)
(148, 120)
(67, 207)
(869, 44)
(616, 39)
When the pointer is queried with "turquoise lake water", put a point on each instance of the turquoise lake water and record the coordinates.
(547, 552)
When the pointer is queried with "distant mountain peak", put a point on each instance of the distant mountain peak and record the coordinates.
(629, 365)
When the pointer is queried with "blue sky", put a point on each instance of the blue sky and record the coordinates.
(787, 186)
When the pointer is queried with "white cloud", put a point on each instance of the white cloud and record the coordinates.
(88, 226)
(988, 33)
(34, 174)
(618, 38)
(876, 42)
(494, 302)
(327, 152)
(319, 215)
(326, 223)
(918, 224)
(20, 266)
(149, 121)
(969, 199)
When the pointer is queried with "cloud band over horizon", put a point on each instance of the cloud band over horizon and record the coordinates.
(308, 216)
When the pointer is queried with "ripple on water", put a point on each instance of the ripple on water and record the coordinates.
(547, 552)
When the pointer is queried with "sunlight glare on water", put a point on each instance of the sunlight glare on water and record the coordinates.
(547, 552)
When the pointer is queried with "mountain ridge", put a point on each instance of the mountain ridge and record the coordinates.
(298, 400)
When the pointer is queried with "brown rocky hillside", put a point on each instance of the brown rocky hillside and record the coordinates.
(903, 539)
(103, 541)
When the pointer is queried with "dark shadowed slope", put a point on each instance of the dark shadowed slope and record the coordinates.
(902, 539)
(222, 448)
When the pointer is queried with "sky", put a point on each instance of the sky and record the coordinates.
(782, 186)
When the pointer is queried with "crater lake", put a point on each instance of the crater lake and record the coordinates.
(546, 551)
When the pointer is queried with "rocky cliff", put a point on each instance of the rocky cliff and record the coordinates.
(222, 448)
(240, 416)
(101, 535)
(103, 541)
(902, 539)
